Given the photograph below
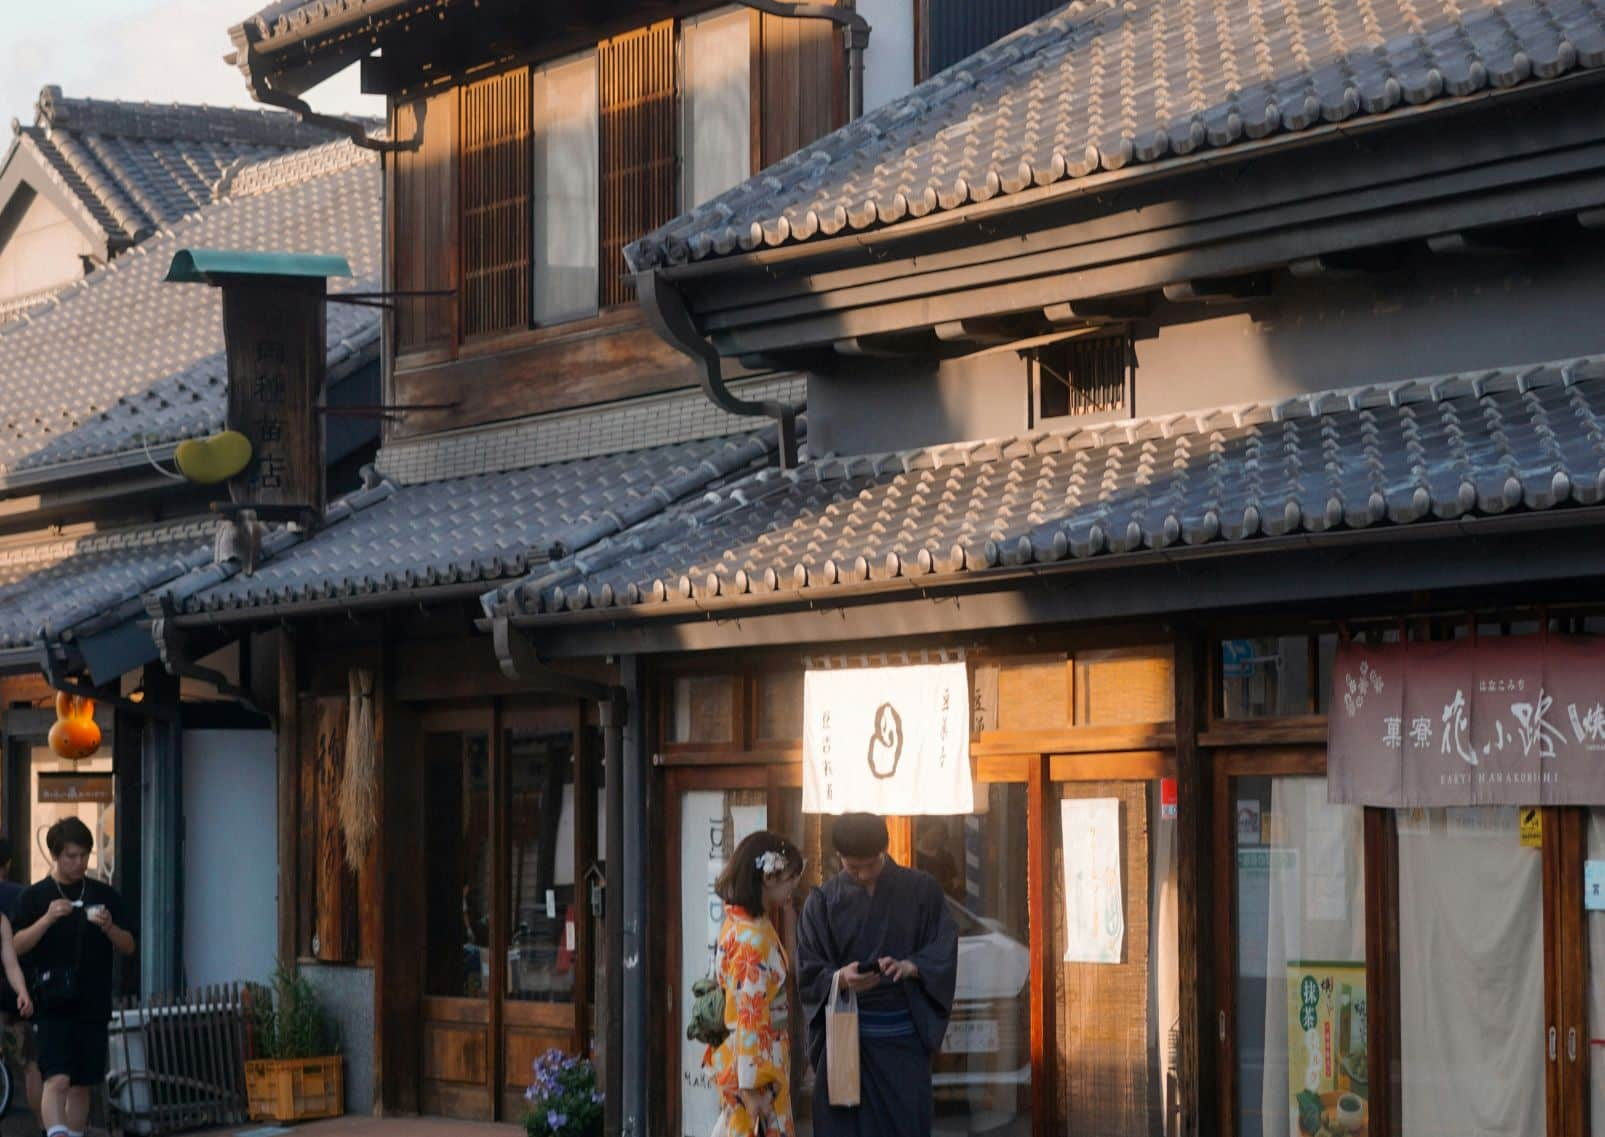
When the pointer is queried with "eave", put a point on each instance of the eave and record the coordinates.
(1492, 160)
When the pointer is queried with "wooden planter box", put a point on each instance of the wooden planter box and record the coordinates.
(295, 1089)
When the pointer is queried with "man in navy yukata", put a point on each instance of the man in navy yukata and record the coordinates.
(877, 910)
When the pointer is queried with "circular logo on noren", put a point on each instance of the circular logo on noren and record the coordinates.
(886, 743)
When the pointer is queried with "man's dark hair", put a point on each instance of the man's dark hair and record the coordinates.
(68, 831)
(5, 852)
(860, 835)
(741, 882)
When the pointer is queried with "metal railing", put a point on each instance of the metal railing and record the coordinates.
(178, 1061)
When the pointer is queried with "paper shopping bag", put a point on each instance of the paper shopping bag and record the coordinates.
(841, 1044)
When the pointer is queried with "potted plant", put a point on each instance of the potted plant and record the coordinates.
(563, 1099)
(295, 1072)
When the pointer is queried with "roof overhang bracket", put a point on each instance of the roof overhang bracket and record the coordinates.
(54, 668)
(174, 649)
(516, 655)
(668, 316)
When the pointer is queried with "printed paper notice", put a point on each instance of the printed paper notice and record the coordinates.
(1095, 918)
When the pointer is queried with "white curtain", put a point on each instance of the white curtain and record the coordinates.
(566, 226)
(1471, 966)
(718, 103)
(1316, 912)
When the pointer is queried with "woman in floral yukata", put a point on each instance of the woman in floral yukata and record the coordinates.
(752, 1067)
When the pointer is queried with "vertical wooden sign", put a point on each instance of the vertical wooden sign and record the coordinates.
(274, 328)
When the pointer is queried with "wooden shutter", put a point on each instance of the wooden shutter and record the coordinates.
(801, 83)
(638, 145)
(496, 159)
(424, 218)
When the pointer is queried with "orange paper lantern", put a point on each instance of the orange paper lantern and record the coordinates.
(75, 735)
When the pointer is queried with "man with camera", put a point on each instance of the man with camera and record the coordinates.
(68, 928)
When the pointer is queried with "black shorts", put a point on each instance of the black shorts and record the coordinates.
(75, 1049)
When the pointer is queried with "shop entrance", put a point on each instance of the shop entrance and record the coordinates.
(1420, 972)
(511, 830)
(1058, 1026)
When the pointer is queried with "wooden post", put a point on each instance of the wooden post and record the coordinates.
(398, 958)
(1195, 911)
(1043, 826)
(289, 793)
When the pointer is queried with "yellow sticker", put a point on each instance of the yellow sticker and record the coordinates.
(1532, 827)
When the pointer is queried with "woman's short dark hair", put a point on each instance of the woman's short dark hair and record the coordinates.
(860, 835)
(68, 831)
(741, 882)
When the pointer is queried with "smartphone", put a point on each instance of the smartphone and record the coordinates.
(869, 967)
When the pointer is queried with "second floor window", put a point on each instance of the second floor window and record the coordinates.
(566, 241)
(531, 182)
(1082, 377)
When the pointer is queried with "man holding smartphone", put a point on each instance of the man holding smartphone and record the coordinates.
(68, 928)
(886, 930)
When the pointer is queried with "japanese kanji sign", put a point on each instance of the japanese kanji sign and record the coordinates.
(275, 335)
(888, 740)
(1502, 721)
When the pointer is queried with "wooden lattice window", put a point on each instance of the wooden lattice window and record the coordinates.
(638, 145)
(495, 187)
(1087, 375)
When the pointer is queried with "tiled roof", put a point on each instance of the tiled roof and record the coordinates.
(136, 167)
(49, 587)
(589, 432)
(120, 355)
(1106, 85)
(1467, 445)
(490, 528)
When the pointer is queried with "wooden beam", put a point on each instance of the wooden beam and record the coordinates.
(1196, 912)
(1103, 310)
(1219, 289)
(1350, 263)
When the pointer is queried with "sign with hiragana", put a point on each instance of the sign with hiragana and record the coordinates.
(888, 740)
(1502, 721)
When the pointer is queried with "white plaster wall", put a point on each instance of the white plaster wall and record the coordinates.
(41, 252)
(230, 856)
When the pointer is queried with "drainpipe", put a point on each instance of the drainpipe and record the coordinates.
(666, 313)
(637, 959)
(262, 92)
(855, 39)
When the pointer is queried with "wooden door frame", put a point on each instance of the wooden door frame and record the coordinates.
(1565, 849)
(678, 781)
(1301, 761)
(495, 716)
(1047, 770)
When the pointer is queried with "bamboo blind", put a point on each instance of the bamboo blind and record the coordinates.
(496, 157)
(638, 145)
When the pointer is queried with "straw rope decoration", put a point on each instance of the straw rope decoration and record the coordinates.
(359, 816)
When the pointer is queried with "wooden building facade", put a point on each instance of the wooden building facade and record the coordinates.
(1146, 388)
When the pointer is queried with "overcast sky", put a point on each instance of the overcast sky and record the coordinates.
(163, 51)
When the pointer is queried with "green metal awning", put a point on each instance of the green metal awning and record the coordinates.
(201, 266)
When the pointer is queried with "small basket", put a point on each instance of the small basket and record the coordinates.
(295, 1089)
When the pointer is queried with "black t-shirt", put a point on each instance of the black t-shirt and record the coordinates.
(61, 944)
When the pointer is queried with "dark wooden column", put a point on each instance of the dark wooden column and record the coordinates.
(287, 738)
(1197, 918)
(398, 980)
